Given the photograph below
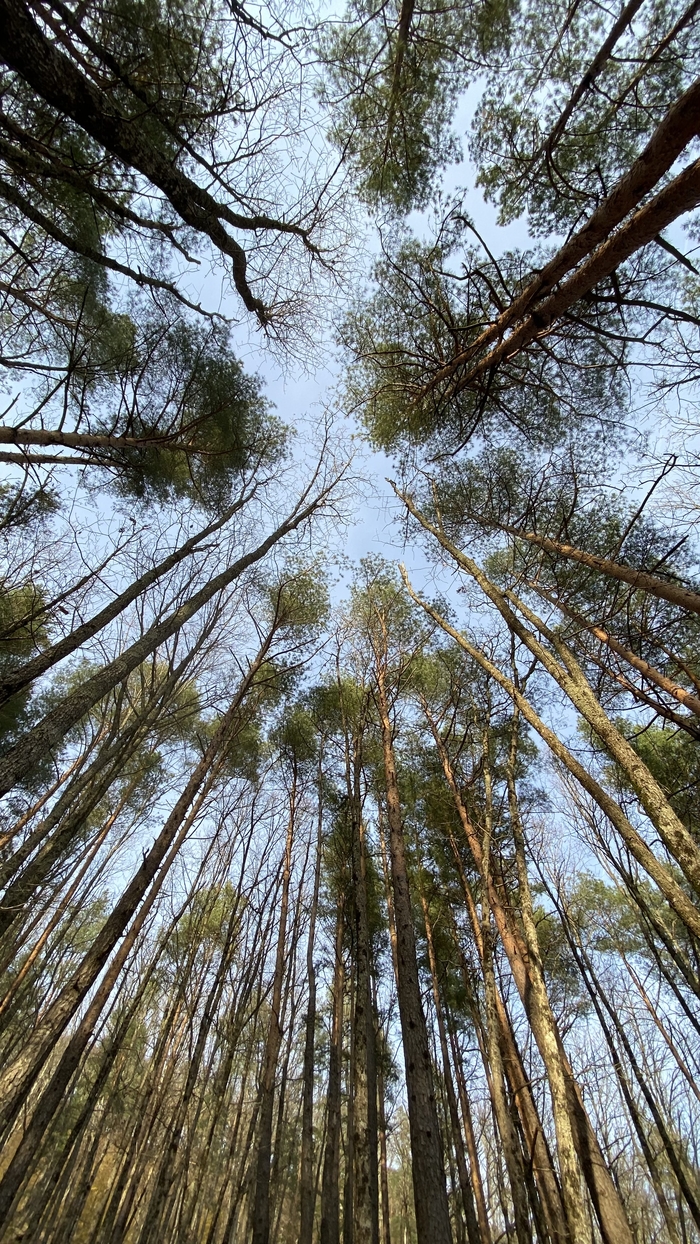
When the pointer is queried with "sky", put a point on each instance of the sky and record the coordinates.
(300, 396)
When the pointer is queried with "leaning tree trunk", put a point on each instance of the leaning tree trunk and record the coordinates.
(604, 1194)
(38, 741)
(17, 1079)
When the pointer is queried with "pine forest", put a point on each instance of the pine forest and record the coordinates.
(349, 622)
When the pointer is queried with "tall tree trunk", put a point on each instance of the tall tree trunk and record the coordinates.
(18, 1078)
(307, 1183)
(609, 1019)
(567, 673)
(260, 1216)
(430, 1193)
(673, 892)
(603, 1192)
(547, 1037)
(465, 1186)
(385, 1222)
(470, 1139)
(165, 1173)
(365, 1179)
(551, 1206)
(330, 1189)
(22, 676)
(511, 1146)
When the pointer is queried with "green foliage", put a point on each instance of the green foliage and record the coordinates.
(196, 393)
(23, 506)
(431, 301)
(608, 916)
(566, 993)
(673, 759)
(530, 81)
(394, 77)
(296, 736)
(298, 599)
(22, 632)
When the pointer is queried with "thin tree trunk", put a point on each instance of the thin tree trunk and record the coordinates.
(667, 884)
(20, 677)
(260, 1217)
(39, 740)
(470, 1139)
(330, 1190)
(568, 674)
(547, 1037)
(535, 1001)
(600, 1002)
(385, 1221)
(511, 1147)
(17, 1079)
(465, 1187)
(307, 1183)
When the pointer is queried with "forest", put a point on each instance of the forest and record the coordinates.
(349, 622)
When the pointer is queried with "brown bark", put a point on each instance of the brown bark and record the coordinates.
(602, 1004)
(330, 1189)
(672, 892)
(365, 1208)
(90, 440)
(39, 740)
(307, 1187)
(679, 196)
(548, 1038)
(599, 60)
(385, 1221)
(641, 580)
(678, 128)
(531, 988)
(260, 1215)
(164, 1177)
(541, 1166)
(59, 81)
(17, 1079)
(22, 676)
(567, 673)
(22, 875)
(465, 1186)
(430, 1193)
(534, 998)
(511, 1146)
(686, 698)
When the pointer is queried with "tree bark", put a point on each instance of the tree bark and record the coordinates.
(568, 674)
(430, 1193)
(674, 893)
(671, 137)
(17, 1079)
(330, 1189)
(16, 679)
(307, 1185)
(39, 740)
(533, 993)
(260, 1216)
(465, 1186)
